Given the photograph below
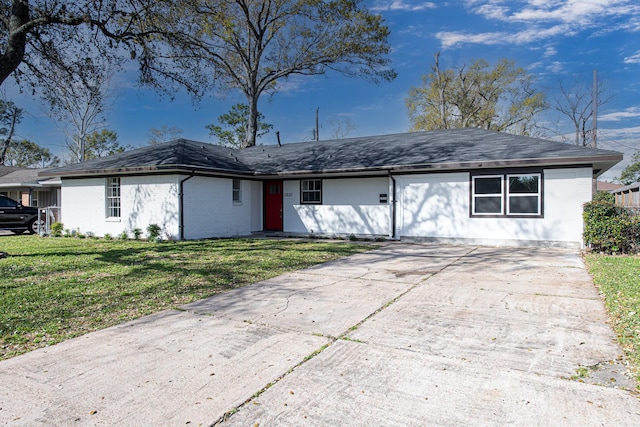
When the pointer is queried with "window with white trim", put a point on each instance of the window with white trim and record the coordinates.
(523, 194)
(487, 195)
(513, 194)
(113, 198)
(236, 191)
(311, 191)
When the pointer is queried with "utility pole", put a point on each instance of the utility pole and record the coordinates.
(594, 130)
(594, 140)
(317, 124)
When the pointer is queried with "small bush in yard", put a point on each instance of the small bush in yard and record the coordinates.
(136, 233)
(56, 229)
(609, 228)
(124, 235)
(153, 232)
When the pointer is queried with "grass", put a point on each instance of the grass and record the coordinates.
(52, 289)
(618, 278)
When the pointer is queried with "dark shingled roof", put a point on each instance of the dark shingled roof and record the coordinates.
(449, 149)
(178, 155)
(7, 169)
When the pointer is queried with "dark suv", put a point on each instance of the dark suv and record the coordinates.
(18, 218)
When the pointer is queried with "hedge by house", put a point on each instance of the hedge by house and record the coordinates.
(609, 228)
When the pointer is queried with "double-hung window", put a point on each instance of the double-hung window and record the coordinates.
(488, 195)
(113, 198)
(236, 192)
(511, 194)
(523, 195)
(311, 191)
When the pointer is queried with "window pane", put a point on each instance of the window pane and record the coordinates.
(113, 197)
(311, 191)
(523, 184)
(488, 205)
(523, 205)
(490, 185)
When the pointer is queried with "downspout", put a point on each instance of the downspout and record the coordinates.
(181, 202)
(393, 205)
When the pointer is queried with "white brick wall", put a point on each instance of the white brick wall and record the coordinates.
(209, 210)
(348, 206)
(145, 200)
(437, 206)
(433, 206)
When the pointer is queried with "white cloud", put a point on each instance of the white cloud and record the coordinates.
(401, 5)
(550, 51)
(556, 67)
(538, 20)
(633, 59)
(627, 113)
(453, 38)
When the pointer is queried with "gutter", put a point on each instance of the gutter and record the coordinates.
(393, 205)
(434, 167)
(181, 202)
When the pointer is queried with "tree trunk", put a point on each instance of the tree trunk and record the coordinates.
(442, 89)
(252, 122)
(13, 55)
(7, 141)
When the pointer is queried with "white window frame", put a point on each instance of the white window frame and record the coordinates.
(538, 194)
(475, 196)
(315, 191)
(113, 197)
(236, 191)
(506, 196)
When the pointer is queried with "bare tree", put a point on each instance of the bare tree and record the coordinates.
(163, 134)
(575, 101)
(341, 126)
(79, 98)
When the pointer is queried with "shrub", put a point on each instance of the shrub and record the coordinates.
(56, 229)
(609, 228)
(124, 235)
(107, 236)
(153, 232)
(136, 233)
(604, 196)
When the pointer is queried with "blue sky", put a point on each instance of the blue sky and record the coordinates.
(553, 40)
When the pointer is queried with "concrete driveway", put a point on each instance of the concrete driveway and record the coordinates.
(405, 335)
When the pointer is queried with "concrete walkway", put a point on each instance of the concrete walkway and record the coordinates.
(404, 335)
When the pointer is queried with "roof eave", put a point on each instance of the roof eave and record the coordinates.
(600, 163)
(139, 170)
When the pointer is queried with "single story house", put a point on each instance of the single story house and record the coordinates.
(459, 185)
(26, 186)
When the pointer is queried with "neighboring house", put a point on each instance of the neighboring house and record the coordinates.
(460, 185)
(26, 186)
(607, 186)
(628, 195)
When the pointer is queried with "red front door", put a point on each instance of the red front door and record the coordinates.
(273, 205)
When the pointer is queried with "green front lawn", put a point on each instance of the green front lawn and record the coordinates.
(52, 289)
(618, 278)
